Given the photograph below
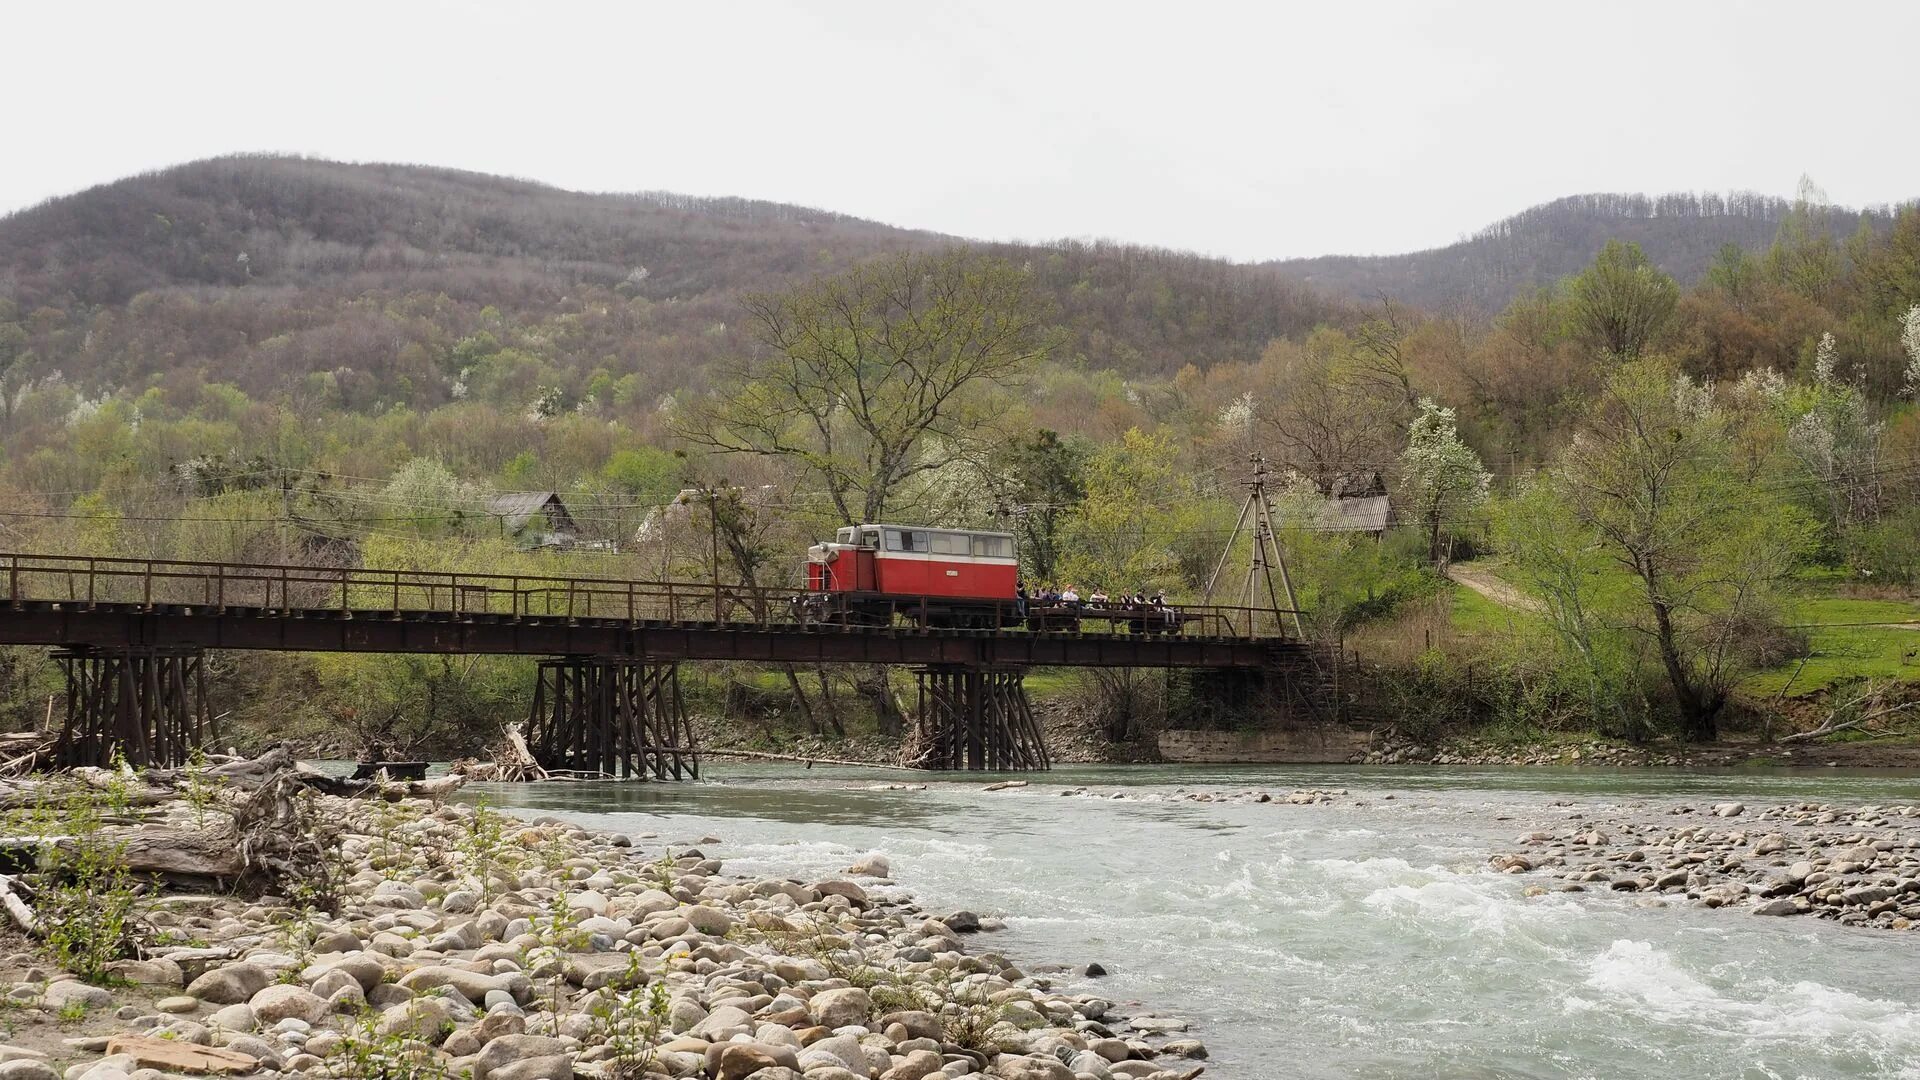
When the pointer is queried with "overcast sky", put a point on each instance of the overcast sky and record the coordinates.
(1255, 130)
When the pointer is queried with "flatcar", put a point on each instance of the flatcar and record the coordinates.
(936, 577)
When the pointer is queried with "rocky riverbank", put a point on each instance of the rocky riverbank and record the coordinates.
(465, 942)
(1855, 865)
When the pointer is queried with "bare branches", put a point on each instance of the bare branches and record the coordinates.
(858, 371)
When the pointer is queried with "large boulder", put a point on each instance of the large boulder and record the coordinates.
(427, 1019)
(160, 972)
(1030, 1068)
(471, 985)
(68, 992)
(523, 1057)
(840, 1008)
(276, 1003)
(230, 984)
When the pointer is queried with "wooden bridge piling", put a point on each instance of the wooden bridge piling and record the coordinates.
(611, 716)
(977, 719)
(146, 705)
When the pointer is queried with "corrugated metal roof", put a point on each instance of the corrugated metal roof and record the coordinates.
(516, 508)
(1360, 515)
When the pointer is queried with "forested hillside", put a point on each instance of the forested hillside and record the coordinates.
(1680, 233)
(263, 271)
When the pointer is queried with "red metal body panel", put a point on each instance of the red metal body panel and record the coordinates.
(934, 575)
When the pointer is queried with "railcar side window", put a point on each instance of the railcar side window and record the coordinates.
(906, 540)
(999, 547)
(917, 540)
(896, 540)
(945, 543)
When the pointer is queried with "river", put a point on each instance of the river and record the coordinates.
(1359, 938)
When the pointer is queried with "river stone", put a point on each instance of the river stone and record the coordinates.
(230, 984)
(840, 1008)
(737, 1061)
(707, 920)
(160, 972)
(471, 985)
(872, 864)
(522, 1057)
(231, 1017)
(426, 1019)
(962, 922)
(917, 1065)
(276, 1003)
(27, 1069)
(919, 1024)
(722, 1022)
(66, 992)
(841, 888)
(365, 967)
(1186, 1048)
(1030, 1068)
(1782, 906)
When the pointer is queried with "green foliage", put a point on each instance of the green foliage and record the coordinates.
(1654, 482)
(1108, 540)
(88, 902)
(1039, 479)
(629, 1021)
(365, 1053)
(1622, 302)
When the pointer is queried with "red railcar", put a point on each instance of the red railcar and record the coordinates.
(941, 577)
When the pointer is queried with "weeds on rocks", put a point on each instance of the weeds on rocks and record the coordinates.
(89, 902)
(366, 1054)
(203, 791)
(629, 1023)
(483, 845)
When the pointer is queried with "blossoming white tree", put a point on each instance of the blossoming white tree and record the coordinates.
(1441, 478)
(1910, 340)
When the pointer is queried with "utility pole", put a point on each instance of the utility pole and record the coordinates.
(1257, 512)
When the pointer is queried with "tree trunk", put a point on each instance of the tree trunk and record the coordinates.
(879, 692)
(1698, 712)
(800, 699)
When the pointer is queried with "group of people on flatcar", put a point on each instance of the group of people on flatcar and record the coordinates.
(1050, 603)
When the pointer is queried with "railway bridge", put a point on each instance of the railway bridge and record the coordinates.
(131, 635)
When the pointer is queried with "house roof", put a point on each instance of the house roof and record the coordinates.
(516, 508)
(1360, 515)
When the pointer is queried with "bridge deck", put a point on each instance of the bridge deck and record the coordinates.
(129, 602)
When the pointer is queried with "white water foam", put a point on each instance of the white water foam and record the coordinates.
(1634, 975)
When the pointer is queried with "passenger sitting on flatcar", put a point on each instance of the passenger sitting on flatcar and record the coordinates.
(1167, 614)
(1070, 596)
(1097, 598)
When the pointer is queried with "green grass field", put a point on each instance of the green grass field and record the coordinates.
(1841, 647)
(1476, 614)
(1839, 652)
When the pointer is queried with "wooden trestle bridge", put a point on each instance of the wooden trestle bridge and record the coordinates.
(131, 635)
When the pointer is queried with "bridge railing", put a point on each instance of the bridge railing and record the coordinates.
(85, 581)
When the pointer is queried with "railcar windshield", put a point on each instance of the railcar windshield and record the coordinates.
(844, 536)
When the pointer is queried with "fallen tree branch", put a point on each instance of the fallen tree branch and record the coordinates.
(1830, 727)
(22, 915)
(808, 761)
